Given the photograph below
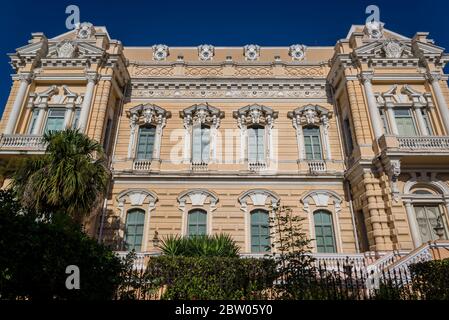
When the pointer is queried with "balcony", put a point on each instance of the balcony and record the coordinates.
(141, 165)
(199, 166)
(420, 150)
(20, 144)
(316, 166)
(257, 166)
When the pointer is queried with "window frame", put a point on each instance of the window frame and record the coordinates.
(262, 247)
(318, 130)
(50, 109)
(135, 226)
(331, 224)
(197, 224)
(202, 128)
(150, 153)
(261, 152)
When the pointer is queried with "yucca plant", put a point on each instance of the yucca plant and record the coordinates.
(221, 245)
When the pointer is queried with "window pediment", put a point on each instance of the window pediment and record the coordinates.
(310, 115)
(148, 114)
(255, 114)
(55, 95)
(406, 96)
(201, 114)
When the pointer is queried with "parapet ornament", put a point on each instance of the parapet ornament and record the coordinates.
(374, 29)
(251, 52)
(85, 30)
(206, 52)
(160, 52)
(297, 52)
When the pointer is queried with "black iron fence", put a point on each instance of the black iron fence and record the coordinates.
(341, 281)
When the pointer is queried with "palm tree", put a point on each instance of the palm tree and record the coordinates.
(70, 178)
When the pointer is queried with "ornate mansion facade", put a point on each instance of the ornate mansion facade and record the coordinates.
(205, 140)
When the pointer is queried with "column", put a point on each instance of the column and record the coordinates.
(376, 122)
(187, 139)
(391, 117)
(87, 101)
(434, 79)
(421, 122)
(68, 115)
(25, 79)
(40, 119)
(414, 230)
(132, 136)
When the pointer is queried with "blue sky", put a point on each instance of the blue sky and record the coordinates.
(230, 22)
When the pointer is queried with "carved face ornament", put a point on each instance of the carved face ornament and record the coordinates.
(251, 52)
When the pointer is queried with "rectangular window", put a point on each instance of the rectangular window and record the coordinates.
(34, 116)
(348, 136)
(107, 135)
(312, 143)
(200, 144)
(324, 232)
(55, 119)
(427, 218)
(145, 143)
(260, 231)
(405, 122)
(256, 144)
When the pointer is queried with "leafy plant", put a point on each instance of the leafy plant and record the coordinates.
(431, 280)
(70, 178)
(221, 245)
(205, 277)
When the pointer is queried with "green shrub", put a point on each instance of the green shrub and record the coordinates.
(221, 245)
(34, 256)
(204, 278)
(431, 279)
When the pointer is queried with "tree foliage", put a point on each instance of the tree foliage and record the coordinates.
(70, 178)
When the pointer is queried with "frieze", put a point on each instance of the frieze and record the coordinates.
(230, 93)
(182, 70)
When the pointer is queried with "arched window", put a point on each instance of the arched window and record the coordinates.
(324, 232)
(312, 143)
(256, 144)
(134, 229)
(201, 144)
(197, 222)
(260, 231)
(145, 142)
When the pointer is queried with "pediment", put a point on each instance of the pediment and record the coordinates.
(33, 49)
(386, 48)
(428, 49)
(73, 49)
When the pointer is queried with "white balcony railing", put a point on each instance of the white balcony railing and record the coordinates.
(257, 166)
(199, 166)
(424, 143)
(142, 165)
(22, 142)
(317, 166)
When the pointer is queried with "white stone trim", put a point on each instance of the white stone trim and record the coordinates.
(196, 198)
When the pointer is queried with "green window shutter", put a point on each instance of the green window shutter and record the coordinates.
(134, 229)
(260, 231)
(145, 143)
(312, 143)
(324, 232)
(55, 119)
(197, 223)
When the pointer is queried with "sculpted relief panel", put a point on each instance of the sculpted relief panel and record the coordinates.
(143, 71)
